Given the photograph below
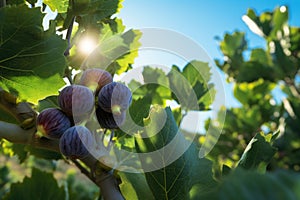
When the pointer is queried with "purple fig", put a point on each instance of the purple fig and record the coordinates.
(109, 120)
(76, 101)
(114, 98)
(95, 79)
(52, 123)
(76, 142)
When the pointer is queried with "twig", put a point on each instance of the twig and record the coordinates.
(68, 37)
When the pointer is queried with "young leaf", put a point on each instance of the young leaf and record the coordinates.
(41, 185)
(31, 60)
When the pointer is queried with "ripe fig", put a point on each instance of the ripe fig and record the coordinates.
(52, 123)
(95, 79)
(76, 142)
(109, 120)
(76, 101)
(115, 98)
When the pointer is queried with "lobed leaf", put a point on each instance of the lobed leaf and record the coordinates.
(31, 60)
(175, 180)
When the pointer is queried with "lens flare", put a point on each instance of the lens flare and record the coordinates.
(87, 45)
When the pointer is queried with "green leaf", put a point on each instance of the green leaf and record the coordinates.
(252, 71)
(175, 180)
(4, 179)
(92, 12)
(233, 44)
(31, 60)
(249, 185)
(116, 49)
(15, 2)
(41, 185)
(43, 153)
(197, 71)
(252, 93)
(48, 102)
(61, 6)
(19, 150)
(261, 56)
(191, 88)
(134, 186)
(258, 153)
(157, 85)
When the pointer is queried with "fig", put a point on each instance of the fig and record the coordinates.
(114, 98)
(76, 101)
(109, 120)
(76, 142)
(95, 79)
(52, 123)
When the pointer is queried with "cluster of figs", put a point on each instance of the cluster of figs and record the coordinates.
(95, 92)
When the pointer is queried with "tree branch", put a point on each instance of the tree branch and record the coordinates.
(104, 179)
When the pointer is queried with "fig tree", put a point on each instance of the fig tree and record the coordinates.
(76, 101)
(76, 142)
(114, 98)
(52, 123)
(95, 79)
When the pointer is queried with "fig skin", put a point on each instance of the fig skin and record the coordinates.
(95, 79)
(109, 120)
(76, 142)
(52, 123)
(76, 101)
(114, 98)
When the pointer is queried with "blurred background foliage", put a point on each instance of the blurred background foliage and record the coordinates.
(267, 85)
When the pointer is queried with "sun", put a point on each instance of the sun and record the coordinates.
(87, 45)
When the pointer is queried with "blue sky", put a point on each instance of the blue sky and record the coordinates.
(202, 20)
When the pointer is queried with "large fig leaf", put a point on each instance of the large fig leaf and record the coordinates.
(31, 60)
(175, 179)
